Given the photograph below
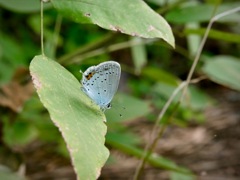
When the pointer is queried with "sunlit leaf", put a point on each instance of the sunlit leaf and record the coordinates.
(130, 17)
(77, 117)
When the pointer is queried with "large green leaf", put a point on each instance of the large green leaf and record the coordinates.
(130, 17)
(224, 70)
(77, 117)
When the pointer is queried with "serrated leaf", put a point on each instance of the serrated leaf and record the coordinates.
(77, 117)
(133, 17)
(224, 70)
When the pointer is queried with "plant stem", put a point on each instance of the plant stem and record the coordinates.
(68, 58)
(56, 34)
(42, 45)
(149, 147)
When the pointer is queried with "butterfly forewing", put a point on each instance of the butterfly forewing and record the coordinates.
(100, 82)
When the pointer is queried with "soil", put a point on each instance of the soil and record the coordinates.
(211, 150)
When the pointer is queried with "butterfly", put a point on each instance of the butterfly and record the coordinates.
(101, 82)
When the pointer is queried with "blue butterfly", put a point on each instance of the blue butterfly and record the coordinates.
(100, 82)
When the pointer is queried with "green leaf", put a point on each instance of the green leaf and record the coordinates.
(77, 117)
(179, 176)
(215, 34)
(165, 90)
(193, 41)
(202, 13)
(7, 174)
(128, 106)
(198, 99)
(139, 55)
(23, 6)
(224, 70)
(154, 159)
(130, 17)
(126, 137)
(160, 75)
(19, 133)
(12, 55)
(11, 49)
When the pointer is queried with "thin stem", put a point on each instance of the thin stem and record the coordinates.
(196, 60)
(231, 11)
(56, 34)
(67, 58)
(110, 48)
(156, 132)
(149, 147)
(42, 45)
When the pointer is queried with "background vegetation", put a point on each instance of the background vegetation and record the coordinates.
(32, 146)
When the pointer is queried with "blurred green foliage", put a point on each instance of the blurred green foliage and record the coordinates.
(151, 70)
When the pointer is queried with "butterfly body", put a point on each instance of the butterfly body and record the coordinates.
(100, 82)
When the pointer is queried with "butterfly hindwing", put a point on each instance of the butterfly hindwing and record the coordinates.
(100, 82)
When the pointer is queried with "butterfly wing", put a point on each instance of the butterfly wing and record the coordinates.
(100, 82)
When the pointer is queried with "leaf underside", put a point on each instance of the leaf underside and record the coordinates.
(133, 17)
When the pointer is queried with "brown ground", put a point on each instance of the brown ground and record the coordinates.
(211, 150)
